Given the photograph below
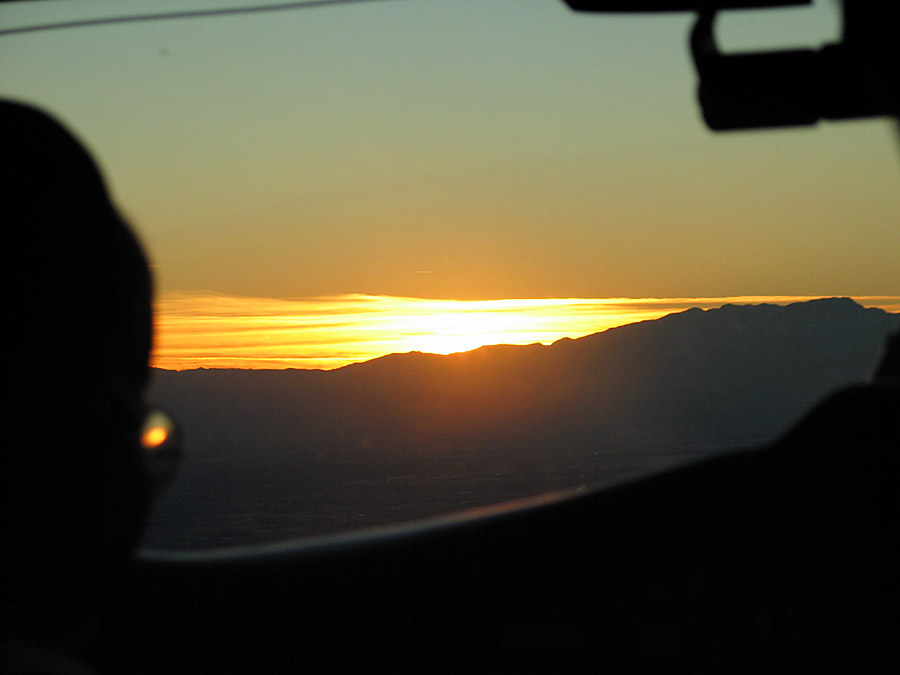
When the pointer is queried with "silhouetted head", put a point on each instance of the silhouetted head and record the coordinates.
(78, 326)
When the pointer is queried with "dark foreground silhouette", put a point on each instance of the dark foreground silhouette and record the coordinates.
(75, 484)
(78, 476)
(783, 556)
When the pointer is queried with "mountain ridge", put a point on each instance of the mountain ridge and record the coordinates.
(789, 354)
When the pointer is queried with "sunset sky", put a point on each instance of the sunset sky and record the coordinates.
(320, 178)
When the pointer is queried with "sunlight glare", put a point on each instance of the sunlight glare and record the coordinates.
(211, 330)
(154, 437)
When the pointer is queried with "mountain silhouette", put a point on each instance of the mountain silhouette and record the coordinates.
(407, 435)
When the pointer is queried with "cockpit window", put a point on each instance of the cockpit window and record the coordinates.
(346, 204)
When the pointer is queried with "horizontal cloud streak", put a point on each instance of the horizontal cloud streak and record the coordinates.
(204, 329)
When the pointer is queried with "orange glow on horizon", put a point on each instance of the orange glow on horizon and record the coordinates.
(211, 330)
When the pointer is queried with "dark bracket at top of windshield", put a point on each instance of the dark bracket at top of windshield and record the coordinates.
(852, 79)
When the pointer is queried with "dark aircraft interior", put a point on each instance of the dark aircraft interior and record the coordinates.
(783, 556)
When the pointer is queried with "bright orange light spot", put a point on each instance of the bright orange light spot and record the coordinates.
(154, 437)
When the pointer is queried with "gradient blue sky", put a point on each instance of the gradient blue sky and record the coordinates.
(453, 149)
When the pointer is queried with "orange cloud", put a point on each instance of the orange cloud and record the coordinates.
(211, 330)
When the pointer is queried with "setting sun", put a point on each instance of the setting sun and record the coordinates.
(211, 330)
